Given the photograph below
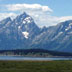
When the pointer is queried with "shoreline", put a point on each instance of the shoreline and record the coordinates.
(23, 58)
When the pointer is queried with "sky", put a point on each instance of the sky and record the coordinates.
(44, 12)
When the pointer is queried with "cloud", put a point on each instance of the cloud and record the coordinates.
(17, 7)
(40, 13)
(5, 15)
(64, 18)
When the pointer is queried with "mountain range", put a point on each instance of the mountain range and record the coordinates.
(23, 33)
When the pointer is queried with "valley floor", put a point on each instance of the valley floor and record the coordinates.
(35, 66)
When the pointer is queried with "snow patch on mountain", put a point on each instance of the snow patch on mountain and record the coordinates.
(26, 34)
(24, 22)
(60, 33)
(68, 28)
(28, 19)
(57, 36)
(19, 27)
(69, 33)
(70, 24)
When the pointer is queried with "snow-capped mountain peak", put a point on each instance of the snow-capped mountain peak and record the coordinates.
(22, 32)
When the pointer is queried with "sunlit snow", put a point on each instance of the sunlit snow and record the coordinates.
(19, 27)
(68, 28)
(24, 22)
(28, 19)
(25, 34)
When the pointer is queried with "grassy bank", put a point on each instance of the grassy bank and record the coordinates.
(35, 66)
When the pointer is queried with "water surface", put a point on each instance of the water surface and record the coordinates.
(32, 58)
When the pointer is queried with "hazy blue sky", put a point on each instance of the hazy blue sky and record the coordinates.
(58, 10)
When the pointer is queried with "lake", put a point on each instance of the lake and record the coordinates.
(32, 58)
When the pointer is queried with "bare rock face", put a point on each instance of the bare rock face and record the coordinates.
(23, 33)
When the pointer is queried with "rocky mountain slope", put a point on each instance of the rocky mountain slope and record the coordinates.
(23, 33)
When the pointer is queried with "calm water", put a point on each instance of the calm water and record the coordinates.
(30, 58)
